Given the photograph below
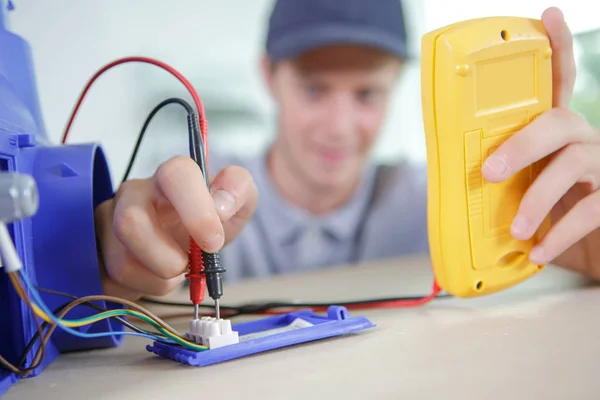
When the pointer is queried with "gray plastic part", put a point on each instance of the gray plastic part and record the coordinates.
(19, 196)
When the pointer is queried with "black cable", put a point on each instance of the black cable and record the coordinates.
(35, 337)
(212, 265)
(18, 369)
(252, 308)
(213, 269)
(173, 100)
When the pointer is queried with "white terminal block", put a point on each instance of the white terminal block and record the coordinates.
(212, 332)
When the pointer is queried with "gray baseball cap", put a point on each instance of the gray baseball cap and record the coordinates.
(298, 26)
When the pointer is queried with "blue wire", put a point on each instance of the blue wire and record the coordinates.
(74, 332)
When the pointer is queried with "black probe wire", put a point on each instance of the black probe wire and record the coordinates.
(212, 266)
(254, 308)
(196, 149)
(197, 154)
(162, 104)
(211, 261)
(19, 369)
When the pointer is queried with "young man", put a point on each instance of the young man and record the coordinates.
(330, 67)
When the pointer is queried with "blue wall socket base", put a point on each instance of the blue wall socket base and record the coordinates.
(269, 334)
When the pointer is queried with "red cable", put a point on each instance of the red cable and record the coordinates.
(197, 280)
(401, 303)
(361, 306)
(166, 67)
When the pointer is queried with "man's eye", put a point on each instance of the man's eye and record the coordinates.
(312, 91)
(367, 95)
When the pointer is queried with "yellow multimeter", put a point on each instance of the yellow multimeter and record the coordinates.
(482, 81)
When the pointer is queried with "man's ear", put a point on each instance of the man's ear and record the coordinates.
(267, 71)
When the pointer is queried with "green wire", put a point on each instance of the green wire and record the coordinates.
(108, 314)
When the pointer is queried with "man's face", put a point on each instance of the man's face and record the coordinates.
(332, 103)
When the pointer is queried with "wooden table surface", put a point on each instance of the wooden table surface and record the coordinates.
(538, 340)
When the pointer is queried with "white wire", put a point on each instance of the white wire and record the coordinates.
(8, 253)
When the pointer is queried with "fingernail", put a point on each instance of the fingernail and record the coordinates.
(519, 225)
(224, 203)
(537, 255)
(212, 244)
(496, 164)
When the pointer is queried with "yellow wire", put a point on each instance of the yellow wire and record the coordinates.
(21, 294)
(98, 317)
(71, 324)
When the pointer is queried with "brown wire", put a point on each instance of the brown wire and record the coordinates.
(45, 338)
(131, 304)
(74, 303)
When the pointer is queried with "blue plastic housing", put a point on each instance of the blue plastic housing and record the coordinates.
(269, 334)
(57, 245)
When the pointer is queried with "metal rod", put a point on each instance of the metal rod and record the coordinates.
(217, 309)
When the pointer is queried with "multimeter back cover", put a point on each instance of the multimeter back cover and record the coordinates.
(482, 81)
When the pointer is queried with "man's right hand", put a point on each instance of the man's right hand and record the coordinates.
(143, 232)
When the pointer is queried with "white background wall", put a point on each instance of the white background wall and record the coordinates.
(217, 45)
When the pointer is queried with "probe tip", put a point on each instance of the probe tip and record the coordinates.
(217, 309)
(196, 311)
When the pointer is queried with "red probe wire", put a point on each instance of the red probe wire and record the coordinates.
(195, 265)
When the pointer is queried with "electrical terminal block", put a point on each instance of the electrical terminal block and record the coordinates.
(212, 332)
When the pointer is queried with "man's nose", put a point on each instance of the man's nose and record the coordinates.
(342, 116)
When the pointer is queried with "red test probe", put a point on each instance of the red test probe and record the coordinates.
(205, 269)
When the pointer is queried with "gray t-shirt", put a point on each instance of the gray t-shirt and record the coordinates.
(386, 218)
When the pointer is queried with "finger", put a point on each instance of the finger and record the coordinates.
(235, 196)
(127, 272)
(108, 245)
(582, 219)
(137, 227)
(570, 165)
(547, 134)
(180, 180)
(563, 59)
(122, 274)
